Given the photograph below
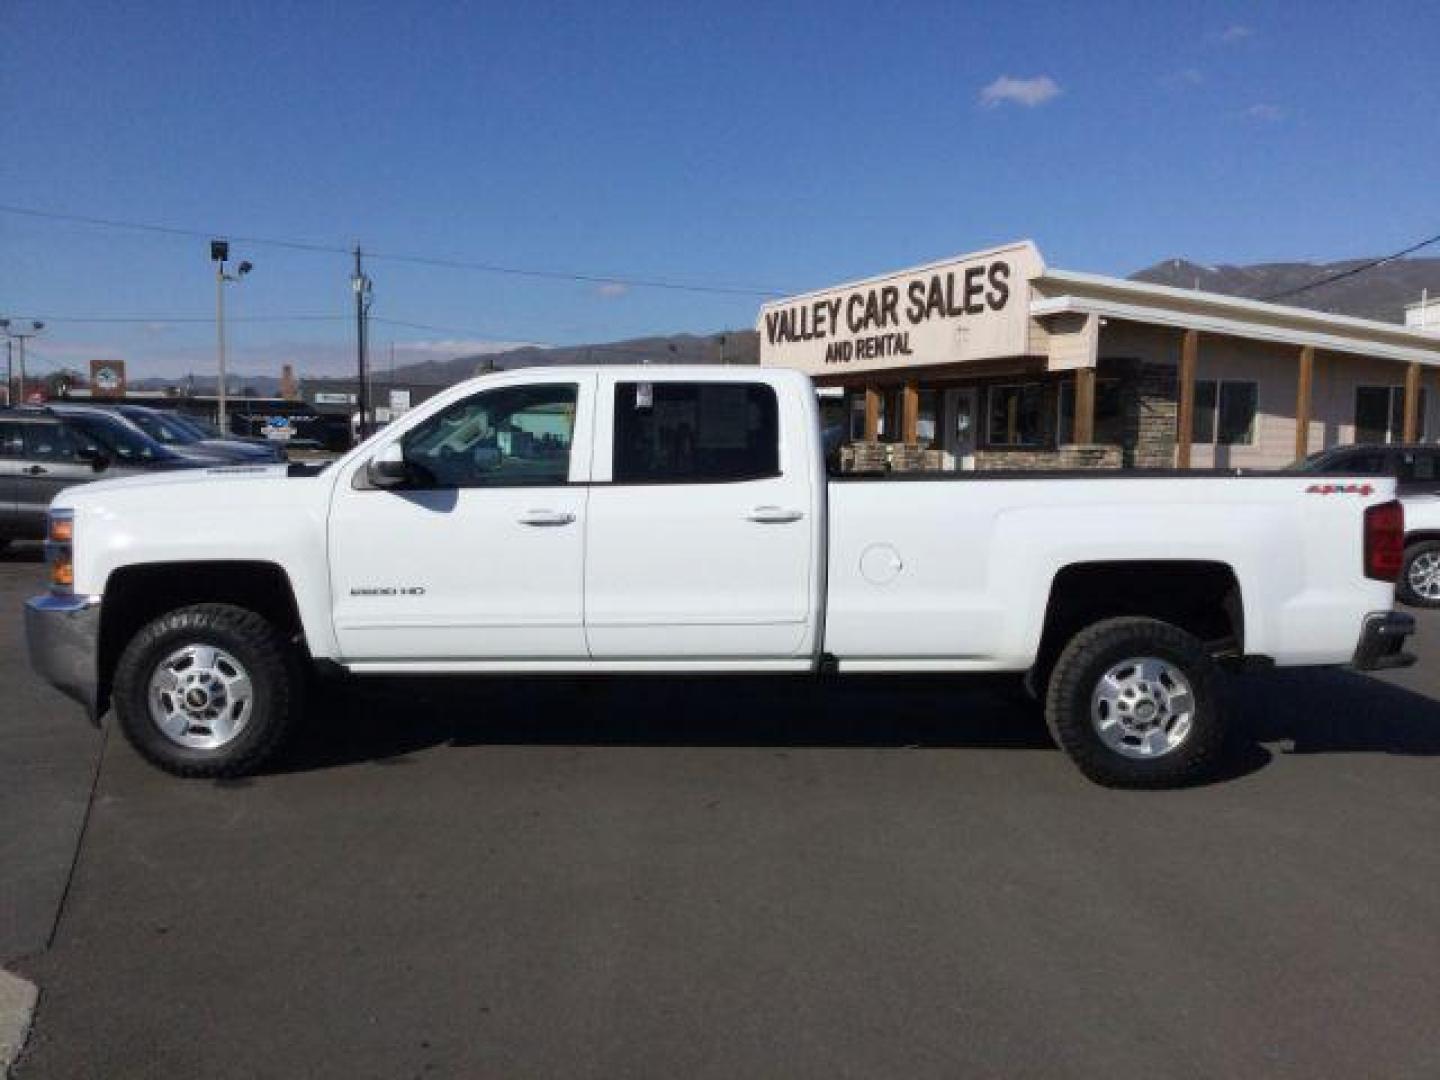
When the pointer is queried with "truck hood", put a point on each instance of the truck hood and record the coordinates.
(220, 478)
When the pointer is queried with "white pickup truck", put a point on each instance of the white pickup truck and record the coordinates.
(645, 519)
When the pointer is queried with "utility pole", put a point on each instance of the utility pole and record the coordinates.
(9, 372)
(363, 289)
(11, 333)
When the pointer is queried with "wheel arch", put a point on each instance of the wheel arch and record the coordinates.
(136, 594)
(1201, 597)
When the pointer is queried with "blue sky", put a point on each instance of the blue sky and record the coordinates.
(768, 145)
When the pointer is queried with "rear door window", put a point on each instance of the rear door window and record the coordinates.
(48, 442)
(695, 432)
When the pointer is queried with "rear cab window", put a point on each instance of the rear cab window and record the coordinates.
(695, 432)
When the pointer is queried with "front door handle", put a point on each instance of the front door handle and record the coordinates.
(546, 517)
(774, 515)
(35, 470)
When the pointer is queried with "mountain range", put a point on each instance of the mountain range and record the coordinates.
(1378, 293)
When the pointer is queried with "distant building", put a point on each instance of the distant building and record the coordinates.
(338, 397)
(996, 360)
(1424, 314)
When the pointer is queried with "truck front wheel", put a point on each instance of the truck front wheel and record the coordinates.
(206, 691)
(1134, 702)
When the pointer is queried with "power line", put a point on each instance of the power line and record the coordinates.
(1341, 275)
(181, 318)
(131, 320)
(392, 256)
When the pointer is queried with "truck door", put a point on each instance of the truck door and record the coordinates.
(702, 523)
(480, 553)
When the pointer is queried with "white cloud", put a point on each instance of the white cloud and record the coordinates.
(1235, 32)
(611, 289)
(1266, 112)
(1027, 92)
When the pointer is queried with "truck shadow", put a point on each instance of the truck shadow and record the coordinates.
(385, 720)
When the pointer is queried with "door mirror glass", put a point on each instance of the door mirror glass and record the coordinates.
(387, 469)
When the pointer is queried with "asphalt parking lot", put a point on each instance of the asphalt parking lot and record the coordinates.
(735, 877)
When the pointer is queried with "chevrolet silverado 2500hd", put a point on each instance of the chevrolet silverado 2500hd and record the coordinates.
(666, 519)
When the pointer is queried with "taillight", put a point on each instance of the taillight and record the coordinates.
(1384, 540)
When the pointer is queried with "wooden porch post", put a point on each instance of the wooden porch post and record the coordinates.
(910, 413)
(872, 413)
(1412, 402)
(1302, 401)
(1084, 431)
(1189, 353)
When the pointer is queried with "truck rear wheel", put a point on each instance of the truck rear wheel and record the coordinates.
(1134, 702)
(206, 691)
(1419, 584)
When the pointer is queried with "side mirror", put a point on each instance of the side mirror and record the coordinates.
(388, 469)
(98, 461)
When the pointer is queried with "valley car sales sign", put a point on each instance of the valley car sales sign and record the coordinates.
(976, 307)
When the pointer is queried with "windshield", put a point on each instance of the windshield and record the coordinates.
(206, 429)
(162, 428)
(121, 442)
(1311, 463)
(190, 424)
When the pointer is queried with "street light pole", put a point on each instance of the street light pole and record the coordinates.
(220, 345)
(219, 253)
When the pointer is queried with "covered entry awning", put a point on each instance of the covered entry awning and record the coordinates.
(1062, 295)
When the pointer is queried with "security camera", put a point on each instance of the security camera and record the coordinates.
(246, 266)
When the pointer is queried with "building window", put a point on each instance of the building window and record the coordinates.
(1016, 416)
(1380, 414)
(927, 420)
(1109, 420)
(1224, 412)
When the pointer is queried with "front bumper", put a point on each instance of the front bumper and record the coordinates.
(63, 634)
(1382, 641)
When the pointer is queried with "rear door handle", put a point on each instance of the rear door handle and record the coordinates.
(774, 515)
(546, 517)
(35, 470)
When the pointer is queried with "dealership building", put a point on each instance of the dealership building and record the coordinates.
(995, 360)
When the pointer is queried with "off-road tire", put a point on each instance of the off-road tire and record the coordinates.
(1078, 670)
(274, 675)
(1403, 589)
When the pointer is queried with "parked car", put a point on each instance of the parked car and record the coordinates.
(1414, 466)
(1419, 581)
(645, 519)
(43, 451)
(184, 438)
(263, 447)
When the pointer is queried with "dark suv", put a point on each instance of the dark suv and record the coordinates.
(1415, 466)
(42, 452)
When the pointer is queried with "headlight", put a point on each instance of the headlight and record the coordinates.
(60, 549)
